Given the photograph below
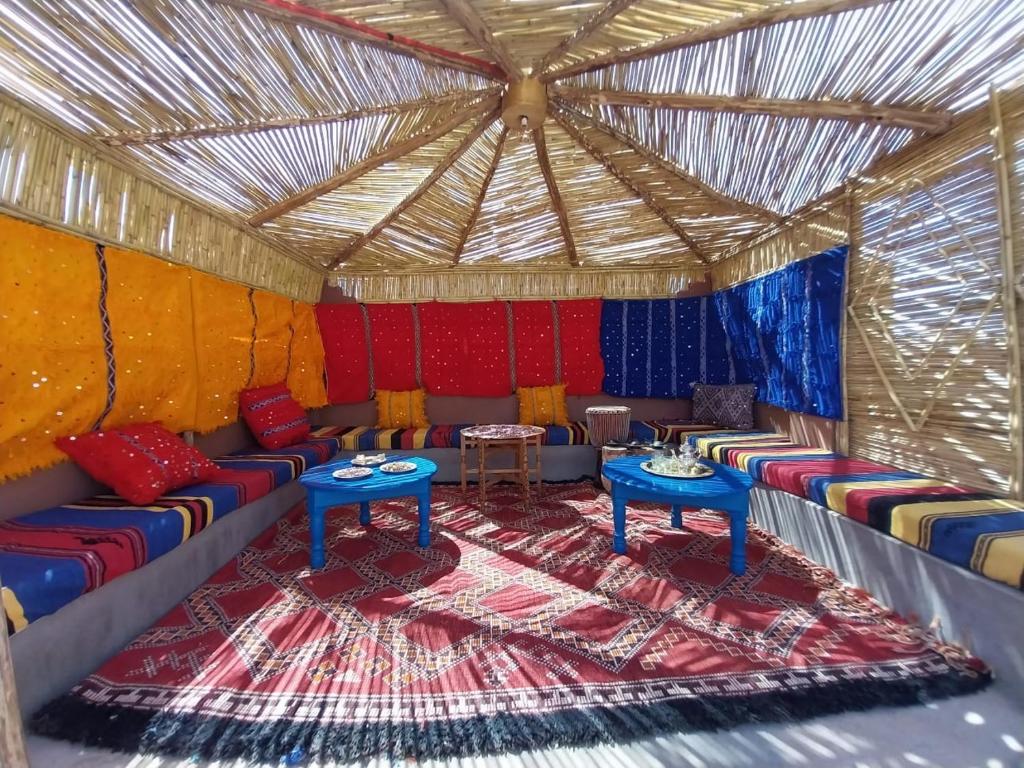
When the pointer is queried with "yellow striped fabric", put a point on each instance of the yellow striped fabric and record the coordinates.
(836, 493)
(912, 523)
(1000, 556)
(15, 613)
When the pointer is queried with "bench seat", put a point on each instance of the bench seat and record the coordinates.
(962, 525)
(365, 438)
(51, 557)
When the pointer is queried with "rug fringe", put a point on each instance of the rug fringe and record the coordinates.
(295, 743)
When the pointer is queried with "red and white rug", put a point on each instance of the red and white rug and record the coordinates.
(519, 628)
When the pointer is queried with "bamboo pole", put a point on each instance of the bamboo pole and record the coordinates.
(464, 13)
(556, 197)
(932, 121)
(163, 137)
(1005, 211)
(773, 14)
(598, 19)
(478, 203)
(632, 186)
(298, 13)
(655, 159)
(12, 741)
(360, 169)
(843, 428)
(416, 194)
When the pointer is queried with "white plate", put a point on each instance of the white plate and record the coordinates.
(352, 473)
(369, 460)
(398, 467)
(701, 472)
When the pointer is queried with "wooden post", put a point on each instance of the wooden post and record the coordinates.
(1009, 296)
(12, 742)
(843, 429)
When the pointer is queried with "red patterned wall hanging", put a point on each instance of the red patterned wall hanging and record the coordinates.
(534, 326)
(393, 341)
(346, 355)
(465, 349)
(579, 328)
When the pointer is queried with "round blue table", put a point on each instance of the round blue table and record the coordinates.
(323, 492)
(727, 490)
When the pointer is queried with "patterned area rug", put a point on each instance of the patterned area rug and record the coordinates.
(517, 629)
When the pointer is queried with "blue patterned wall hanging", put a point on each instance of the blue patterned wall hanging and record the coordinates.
(780, 331)
(659, 347)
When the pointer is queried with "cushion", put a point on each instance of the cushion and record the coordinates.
(402, 410)
(273, 415)
(542, 406)
(141, 462)
(726, 405)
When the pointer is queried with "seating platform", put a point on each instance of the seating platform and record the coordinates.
(970, 528)
(53, 556)
(365, 438)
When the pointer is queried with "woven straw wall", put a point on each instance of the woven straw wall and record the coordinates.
(482, 285)
(49, 177)
(929, 357)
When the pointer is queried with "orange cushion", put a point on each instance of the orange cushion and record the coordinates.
(402, 410)
(542, 406)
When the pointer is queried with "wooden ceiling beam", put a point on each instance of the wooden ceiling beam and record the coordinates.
(917, 119)
(632, 186)
(598, 19)
(359, 169)
(774, 14)
(352, 248)
(478, 204)
(556, 198)
(740, 206)
(464, 13)
(163, 137)
(354, 31)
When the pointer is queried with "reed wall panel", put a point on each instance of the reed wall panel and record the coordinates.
(483, 284)
(50, 178)
(927, 345)
(812, 231)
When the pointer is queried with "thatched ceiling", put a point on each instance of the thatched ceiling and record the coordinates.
(366, 135)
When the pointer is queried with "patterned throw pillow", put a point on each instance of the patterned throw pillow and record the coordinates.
(141, 462)
(273, 416)
(726, 405)
(541, 406)
(402, 410)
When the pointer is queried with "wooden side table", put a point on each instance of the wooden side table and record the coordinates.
(489, 438)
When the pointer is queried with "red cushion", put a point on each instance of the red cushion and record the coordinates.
(141, 462)
(274, 417)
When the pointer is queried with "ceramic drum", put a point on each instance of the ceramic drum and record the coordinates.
(606, 423)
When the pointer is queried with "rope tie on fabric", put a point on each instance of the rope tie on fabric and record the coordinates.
(252, 341)
(291, 339)
(703, 339)
(672, 340)
(625, 344)
(369, 349)
(418, 345)
(556, 326)
(650, 336)
(510, 326)
(108, 336)
(805, 366)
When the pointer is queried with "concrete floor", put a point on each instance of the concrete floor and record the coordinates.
(984, 730)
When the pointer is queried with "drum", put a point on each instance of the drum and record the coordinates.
(610, 453)
(606, 423)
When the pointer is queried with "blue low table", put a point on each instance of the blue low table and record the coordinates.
(323, 491)
(727, 490)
